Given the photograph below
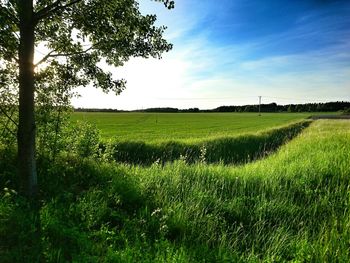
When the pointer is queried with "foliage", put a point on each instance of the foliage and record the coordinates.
(8, 102)
(82, 139)
(79, 35)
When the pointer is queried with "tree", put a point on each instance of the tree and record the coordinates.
(79, 36)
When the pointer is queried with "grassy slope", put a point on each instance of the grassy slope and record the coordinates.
(182, 126)
(293, 205)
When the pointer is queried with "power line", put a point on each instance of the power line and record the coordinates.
(252, 97)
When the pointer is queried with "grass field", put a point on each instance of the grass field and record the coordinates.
(234, 149)
(182, 126)
(291, 206)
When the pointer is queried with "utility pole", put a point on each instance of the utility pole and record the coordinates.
(259, 105)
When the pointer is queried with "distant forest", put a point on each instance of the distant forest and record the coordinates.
(271, 107)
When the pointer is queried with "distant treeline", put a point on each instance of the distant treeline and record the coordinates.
(97, 110)
(165, 109)
(271, 107)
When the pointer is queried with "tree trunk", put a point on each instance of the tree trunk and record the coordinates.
(26, 127)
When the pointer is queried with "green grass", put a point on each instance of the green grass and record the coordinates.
(293, 206)
(150, 127)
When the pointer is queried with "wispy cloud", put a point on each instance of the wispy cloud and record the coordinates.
(307, 61)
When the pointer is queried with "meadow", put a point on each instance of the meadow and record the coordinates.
(151, 127)
(290, 205)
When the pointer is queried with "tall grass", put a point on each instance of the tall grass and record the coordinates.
(291, 206)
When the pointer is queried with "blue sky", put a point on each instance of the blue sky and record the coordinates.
(230, 52)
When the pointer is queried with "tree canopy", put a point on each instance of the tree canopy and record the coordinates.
(74, 39)
(79, 34)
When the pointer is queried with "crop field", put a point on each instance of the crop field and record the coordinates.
(182, 126)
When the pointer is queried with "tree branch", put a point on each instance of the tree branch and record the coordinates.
(51, 9)
(44, 58)
(72, 53)
(16, 34)
(43, 12)
(8, 117)
(7, 128)
(52, 55)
